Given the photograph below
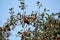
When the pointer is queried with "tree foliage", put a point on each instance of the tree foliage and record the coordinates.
(46, 26)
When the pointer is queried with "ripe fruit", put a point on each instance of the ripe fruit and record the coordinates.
(33, 17)
(26, 20)
(58, 38)
(25, 32)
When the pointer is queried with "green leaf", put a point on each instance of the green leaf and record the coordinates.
(11, 9)
(19, 32)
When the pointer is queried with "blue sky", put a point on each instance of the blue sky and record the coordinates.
(52, 5)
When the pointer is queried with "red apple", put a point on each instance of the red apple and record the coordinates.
(25, 32)
(26, 19)
(33, 17)
(58, 38)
